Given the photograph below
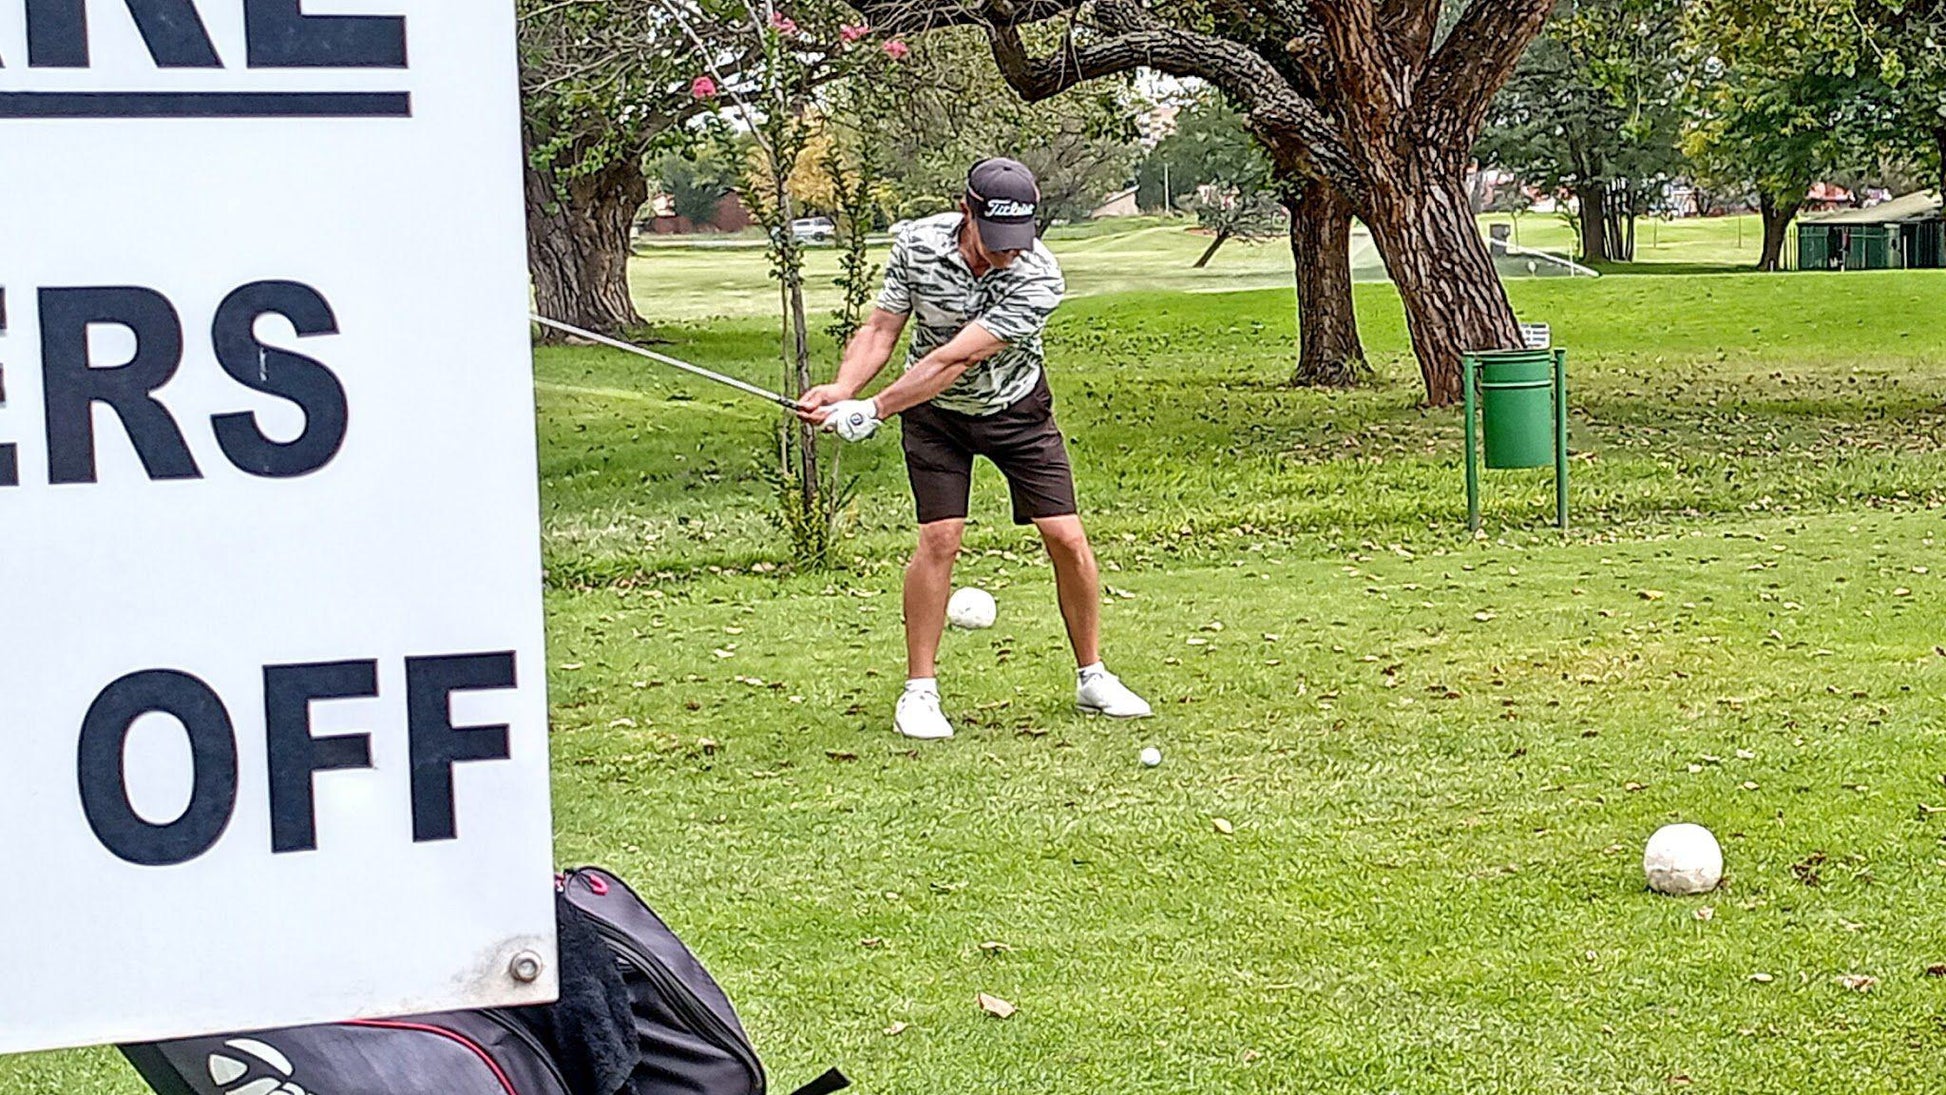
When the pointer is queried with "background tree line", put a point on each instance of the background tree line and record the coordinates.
(1295, 119)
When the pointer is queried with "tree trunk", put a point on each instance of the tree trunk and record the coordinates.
(1454, 302)
(1592, 197)
(578, 245)
(1939, 145)
(1619, 209)
(1329, 352)
(1777, 215)
(1222, 238)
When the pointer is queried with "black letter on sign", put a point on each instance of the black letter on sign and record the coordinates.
(280, 35)
(299, 379)
(9, 460)
(57, 34)
(73, 388)
(437, 744)
(295, 754)
(104, 775)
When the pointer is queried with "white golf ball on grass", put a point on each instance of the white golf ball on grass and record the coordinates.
(1682, 860)
(972, 609)
(1151, 757)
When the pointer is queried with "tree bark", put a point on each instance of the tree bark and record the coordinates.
(1214, 246)
(1939, 145)
(1454, 302)
(1592, 197)
(1777, 216)
(1330, 354)
(578, 245)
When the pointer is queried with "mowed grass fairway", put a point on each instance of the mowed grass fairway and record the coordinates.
(1438, 756)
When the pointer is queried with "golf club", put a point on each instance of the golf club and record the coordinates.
(749, 389)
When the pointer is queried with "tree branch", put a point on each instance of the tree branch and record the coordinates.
(915, 16)
(1473, 63)
(1131, 38)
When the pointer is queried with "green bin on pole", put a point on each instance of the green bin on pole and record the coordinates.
(1518, 399)
(1517, 407)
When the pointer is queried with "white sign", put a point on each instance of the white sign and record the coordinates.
(272, 710)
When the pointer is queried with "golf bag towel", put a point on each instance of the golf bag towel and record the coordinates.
(691, 1040)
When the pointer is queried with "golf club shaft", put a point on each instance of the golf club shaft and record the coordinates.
(728, 381)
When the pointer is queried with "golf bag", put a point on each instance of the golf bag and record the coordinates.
(640, 1017)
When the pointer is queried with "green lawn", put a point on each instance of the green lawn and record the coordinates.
(687, 280)
(1439, 755)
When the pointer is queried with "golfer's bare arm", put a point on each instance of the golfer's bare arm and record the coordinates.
(868, 351)
(936, 372)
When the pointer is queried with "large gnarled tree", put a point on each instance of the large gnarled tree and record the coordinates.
(602, 82)
(1366, 109)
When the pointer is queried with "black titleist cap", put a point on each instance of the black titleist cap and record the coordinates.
(1004, 198)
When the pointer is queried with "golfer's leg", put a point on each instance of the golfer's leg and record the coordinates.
(1077, 583)
(928, 586)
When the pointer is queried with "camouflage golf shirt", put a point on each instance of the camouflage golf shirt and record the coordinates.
(927, 278)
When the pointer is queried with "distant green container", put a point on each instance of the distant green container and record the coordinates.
(1517, 402)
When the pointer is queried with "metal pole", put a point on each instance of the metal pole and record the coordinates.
(783, 401)
(1467, 366)
(1561, 439)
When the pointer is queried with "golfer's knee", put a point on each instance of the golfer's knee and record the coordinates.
(1065, 538)
(938, 543)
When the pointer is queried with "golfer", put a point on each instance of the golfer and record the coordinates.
(982, 287)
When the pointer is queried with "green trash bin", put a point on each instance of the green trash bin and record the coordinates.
(1520, 397)
(1517, 404)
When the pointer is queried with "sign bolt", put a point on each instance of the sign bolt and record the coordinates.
(525, 968)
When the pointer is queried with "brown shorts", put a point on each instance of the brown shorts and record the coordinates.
(1022, 441)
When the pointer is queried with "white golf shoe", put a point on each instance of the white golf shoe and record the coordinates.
(1100, 692)
(919, 716)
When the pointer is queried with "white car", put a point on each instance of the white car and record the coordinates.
(813, 230)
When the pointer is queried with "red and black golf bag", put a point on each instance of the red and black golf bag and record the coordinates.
(638, 1015)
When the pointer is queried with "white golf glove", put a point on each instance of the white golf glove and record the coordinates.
(853, 419)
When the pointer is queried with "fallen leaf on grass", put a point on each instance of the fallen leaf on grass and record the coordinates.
(1652, 594)
(1706, 914)
(840, 755)
(996, 1007)
(1859, 982)
(1223, 826)
(1806, 869)
(1483, 617)
(1762, 978)
(1936, 970)
(895, 1030)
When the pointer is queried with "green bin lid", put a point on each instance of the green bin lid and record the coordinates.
(1499, 368)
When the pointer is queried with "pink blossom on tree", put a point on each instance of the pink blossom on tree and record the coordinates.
(783, 24)
(850, 33)
(703, 88)
(896, 49)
